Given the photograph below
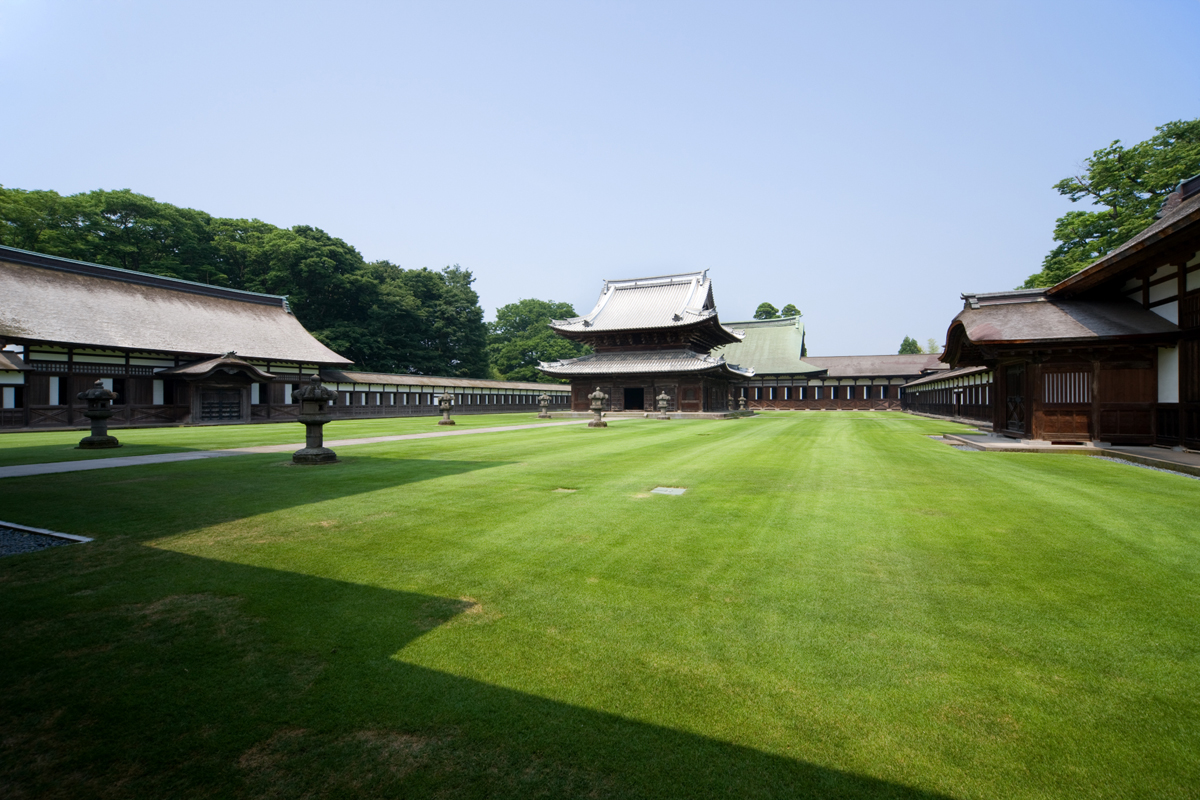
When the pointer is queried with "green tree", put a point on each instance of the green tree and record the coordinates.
(384, 318)
(932, 347)
(521, 337)
(909, 347)
(1129, 184)
(766, 311)
(789, 311)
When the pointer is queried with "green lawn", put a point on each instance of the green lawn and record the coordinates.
(43, 447)
(839, 606)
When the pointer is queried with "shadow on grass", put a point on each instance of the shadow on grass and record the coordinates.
(136, 671)
(184, 676)
(185, 496)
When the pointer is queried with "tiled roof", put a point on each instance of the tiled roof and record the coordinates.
(769, 347)
(643, 362)
(1033, 316)
(345, 376)
(668, 301)
(961, 372)
(51, 299)
(898, 366)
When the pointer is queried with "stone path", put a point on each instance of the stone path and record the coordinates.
(1183, 461)
(24, 470)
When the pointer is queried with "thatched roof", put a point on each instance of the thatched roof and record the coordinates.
(51, 299)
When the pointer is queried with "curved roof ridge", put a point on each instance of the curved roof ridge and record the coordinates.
(47, 261)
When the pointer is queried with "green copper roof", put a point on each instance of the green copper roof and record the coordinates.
(771, 346)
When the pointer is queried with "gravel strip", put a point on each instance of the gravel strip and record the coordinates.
(13, 542)
(1147, 466)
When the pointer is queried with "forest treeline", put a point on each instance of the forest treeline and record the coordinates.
(383, 317)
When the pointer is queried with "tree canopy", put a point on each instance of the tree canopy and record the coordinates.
(383, 317)
(521, 337)
(1129, 185)
(932, 347)
(768, 311)
(909, 347)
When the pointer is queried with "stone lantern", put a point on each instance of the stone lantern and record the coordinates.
(544, 402)
(742, 403)
(598, 398)
(445, 401)
(99, 409)
(664, 400)
(314, 400)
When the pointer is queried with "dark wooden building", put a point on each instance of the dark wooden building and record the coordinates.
(651, 335)
(1111, 354)
(787, 379)
(178, 352)
(964, 393)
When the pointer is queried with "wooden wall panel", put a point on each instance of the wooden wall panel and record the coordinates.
(1066, 423)
(1189, 371)
(1128, 385)
(38, 388)
(1126, 424)
(140, 391)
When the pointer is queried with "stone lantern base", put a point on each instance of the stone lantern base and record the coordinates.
(445, 422)
(97, 442)
(314, 455)
(597, 423)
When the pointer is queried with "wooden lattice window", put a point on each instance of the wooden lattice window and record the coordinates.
(1067, 388)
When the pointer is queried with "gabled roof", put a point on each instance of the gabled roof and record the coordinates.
(666, 301)
(768, 346)
(642, 363)
(1180, 215)
(51, 299)
(228, 363)
(885, 366)
(1031, 315)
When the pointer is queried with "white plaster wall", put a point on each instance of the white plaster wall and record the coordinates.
(1168, 375)
(8, 397)
(1168, 311)
(12, 377)
(255, 390)
(1163, 290)
(54, 382)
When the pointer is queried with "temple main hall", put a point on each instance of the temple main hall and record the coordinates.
(649, 336)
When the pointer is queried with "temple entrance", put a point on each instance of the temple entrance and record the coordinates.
(635, 399)
(220, 405)
(1014, 401)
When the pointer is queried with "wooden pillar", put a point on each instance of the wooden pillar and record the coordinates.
(1181, 290)
(1095, 426)
(1034, 423)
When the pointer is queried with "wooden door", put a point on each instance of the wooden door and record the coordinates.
(1014, 401)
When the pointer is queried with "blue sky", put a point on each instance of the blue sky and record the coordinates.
(865, 161)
